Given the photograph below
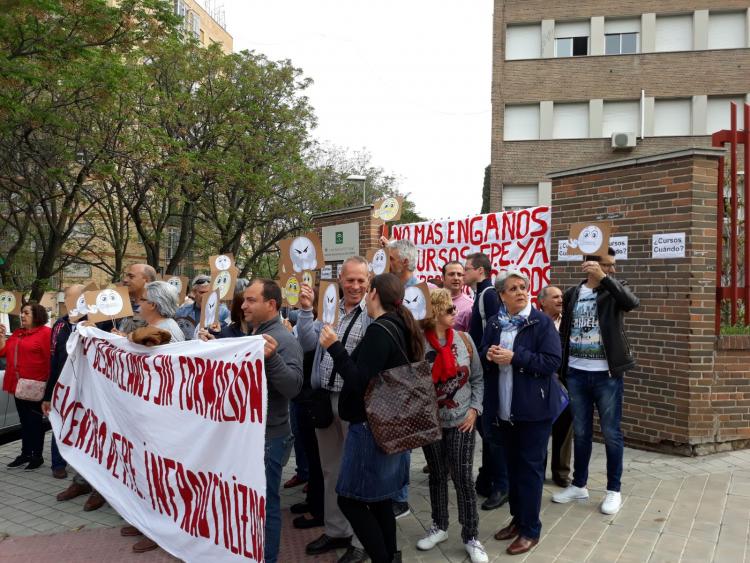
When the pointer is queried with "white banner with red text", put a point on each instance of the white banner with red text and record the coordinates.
(173, 436)
(519, 240)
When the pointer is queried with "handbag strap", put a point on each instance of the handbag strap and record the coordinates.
(343, 341)
(398, 344)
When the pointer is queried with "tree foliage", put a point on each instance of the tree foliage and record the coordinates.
(120, 135)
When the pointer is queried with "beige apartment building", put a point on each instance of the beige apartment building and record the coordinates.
(572, 79)
(206, 21)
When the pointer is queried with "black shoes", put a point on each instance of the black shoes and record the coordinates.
(302, 523)
(34, 463)
(354, 555)
(495, 500)
(299, 508)
(325, 543)
(401, 509)
(18, 462)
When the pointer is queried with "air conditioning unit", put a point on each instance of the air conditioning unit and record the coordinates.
(623, 141)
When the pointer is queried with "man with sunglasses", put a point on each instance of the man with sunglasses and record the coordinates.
(200, 286)
(596, 355)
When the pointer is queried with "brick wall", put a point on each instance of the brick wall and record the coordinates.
(685, 395)
(661, 75)
(369, 230)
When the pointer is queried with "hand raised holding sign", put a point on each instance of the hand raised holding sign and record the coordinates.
(306, 297)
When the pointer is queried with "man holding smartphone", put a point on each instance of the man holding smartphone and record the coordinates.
(596, 355)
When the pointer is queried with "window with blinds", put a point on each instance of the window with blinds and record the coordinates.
(523, 42)
(674, 33)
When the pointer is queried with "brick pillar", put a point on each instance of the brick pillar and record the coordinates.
(668, 397)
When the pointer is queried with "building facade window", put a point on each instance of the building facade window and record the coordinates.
(719, 113)
(672, 117)
(674, 33)
(621, 36)
(520, 196)
(570, 121)
(523, 42)
(727, 30)
(521, 122)
(572, 39)
(621, 117)
(620, 43)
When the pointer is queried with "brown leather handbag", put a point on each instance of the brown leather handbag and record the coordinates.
(401, 405)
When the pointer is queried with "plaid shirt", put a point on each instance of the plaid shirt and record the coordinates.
(354, 338)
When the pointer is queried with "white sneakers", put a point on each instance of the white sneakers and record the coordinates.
(571, 493)
(476, 551)
(434, 536)
(611, 503)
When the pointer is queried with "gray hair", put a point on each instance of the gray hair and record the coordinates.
(164, 296)
(543, 292)
(407, 250)
(502, 277)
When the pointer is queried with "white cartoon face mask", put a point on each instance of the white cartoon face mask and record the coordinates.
(379, 261)
(414, 301)
(330, 302)
(212, 309)
(303, 255)
(222, 282)
(388, 210)
(108, 302)
(7, 302)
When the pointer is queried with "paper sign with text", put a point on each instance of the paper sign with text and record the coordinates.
(668, 245)
(511, 239)
(172, 436)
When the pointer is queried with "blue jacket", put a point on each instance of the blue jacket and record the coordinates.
(536, 357)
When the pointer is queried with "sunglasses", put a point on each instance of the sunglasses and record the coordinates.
(451, 310)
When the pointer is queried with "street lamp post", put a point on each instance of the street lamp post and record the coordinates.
(358, 178)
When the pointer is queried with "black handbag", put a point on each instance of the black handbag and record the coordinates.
(317, 402)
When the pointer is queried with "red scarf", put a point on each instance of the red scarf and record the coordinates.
(445, 362)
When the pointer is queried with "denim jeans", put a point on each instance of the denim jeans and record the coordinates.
(277, 455)
(58, 461)
(586, 389)
(493, 437)
(300, 456)
(403, 494)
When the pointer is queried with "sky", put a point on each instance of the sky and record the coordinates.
(407, 80)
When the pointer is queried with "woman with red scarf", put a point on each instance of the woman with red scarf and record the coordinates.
(27, 356)
(457, 375)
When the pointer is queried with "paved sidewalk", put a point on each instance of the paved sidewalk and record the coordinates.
(676, 510)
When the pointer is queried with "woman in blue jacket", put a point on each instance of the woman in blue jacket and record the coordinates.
(521, 353)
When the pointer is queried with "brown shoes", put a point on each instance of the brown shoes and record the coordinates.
(509, 532)
(94, 502)
(60, 473)
(75, 490)
(129, 531)
(521, 545)
(145, 545)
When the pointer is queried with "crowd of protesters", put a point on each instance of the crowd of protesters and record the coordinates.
(499, 365)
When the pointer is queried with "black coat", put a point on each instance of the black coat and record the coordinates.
(613, 300)
(376, 352)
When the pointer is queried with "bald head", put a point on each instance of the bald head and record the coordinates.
(136, 277)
